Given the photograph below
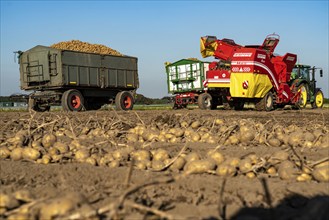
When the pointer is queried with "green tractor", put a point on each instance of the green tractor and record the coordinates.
(303, 76)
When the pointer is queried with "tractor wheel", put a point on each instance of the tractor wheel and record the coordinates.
(205, 101)
(318, 100)
(301, 103)
(266, 103)
(124, 101)
(72, 100)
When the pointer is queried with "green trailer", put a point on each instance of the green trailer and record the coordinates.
(185, 80)
(77, 80)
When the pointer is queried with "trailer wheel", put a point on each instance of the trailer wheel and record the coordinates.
(318, 99)
(72, 100)
(124, 101)
(303, 96)
(205, 101)
(266, 103)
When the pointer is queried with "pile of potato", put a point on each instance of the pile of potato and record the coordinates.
(80, 46)
(111, 145)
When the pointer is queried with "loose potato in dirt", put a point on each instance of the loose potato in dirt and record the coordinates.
(164, 164)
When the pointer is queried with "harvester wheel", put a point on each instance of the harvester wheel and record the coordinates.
(303, 96)
(318, 99)
(72, 100)
(266, 103)
(124, 101)
(269, 101)
(205, 101)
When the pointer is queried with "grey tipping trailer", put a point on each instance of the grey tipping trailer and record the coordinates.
(77, 80)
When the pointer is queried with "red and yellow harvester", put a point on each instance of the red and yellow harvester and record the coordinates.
(254, 74)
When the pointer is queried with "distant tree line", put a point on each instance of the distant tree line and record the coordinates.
(142, 100)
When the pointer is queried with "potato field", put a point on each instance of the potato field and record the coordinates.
(165, 164)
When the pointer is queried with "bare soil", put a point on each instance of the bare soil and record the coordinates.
(165, 194)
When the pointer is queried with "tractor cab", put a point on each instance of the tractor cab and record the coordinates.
(301, 72)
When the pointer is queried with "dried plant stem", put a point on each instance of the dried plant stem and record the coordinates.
(139, 118)
(319, 161)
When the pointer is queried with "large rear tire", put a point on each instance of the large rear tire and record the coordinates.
(205, 101)
(318, 99)
(72, 100)
(124, 101)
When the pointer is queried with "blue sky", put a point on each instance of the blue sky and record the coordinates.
(160, 31)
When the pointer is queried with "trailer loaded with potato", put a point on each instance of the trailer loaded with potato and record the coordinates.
(78, 78)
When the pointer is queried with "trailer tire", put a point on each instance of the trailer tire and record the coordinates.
(266, 103)
(318, 99)
(205, 101)
(72, 100)
(124, 101)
